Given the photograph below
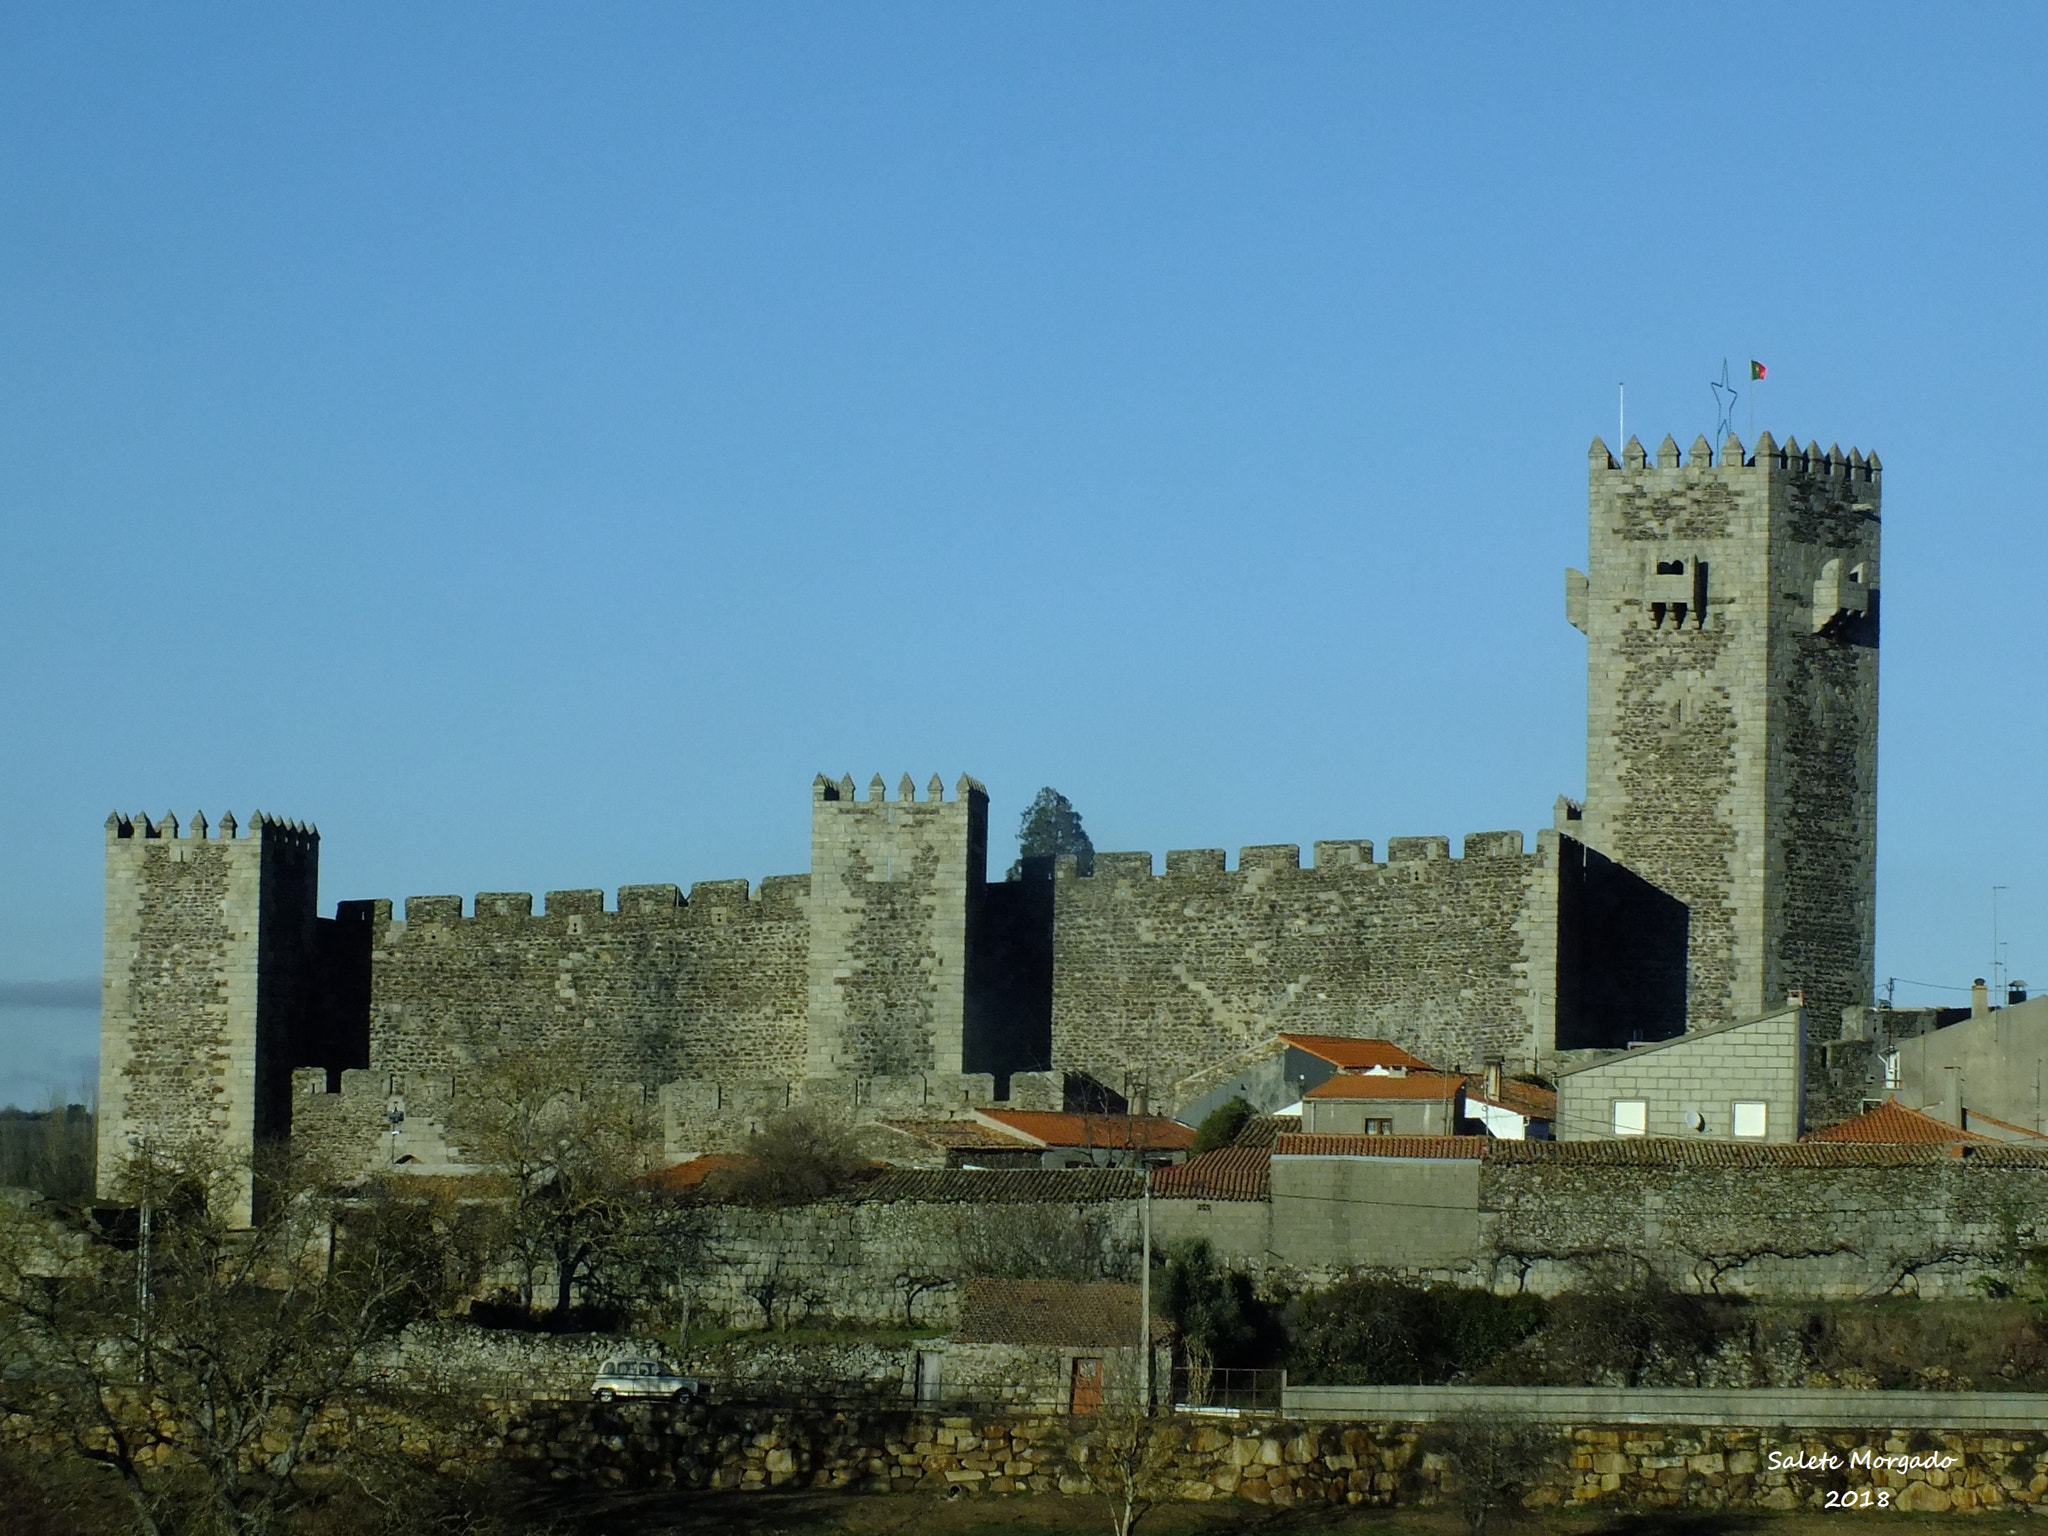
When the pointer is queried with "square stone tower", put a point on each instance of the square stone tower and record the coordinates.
(205, 991)
(896, 897)
(1731, 725)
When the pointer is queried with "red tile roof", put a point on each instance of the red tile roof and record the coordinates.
(1260, 1130)
(1356, 1055)
(1669, 1152)
(1386, 1146)
(1094, 1315)
(1892, 1121)
(1385, 1085)
(691, 1174)
(1523, 1098)
(969, 1135)
(1228, 1173)
(1051, 1128)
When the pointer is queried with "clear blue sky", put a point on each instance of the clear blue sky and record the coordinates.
(530, 441)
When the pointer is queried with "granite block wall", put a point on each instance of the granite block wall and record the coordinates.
(850, 1260)
(896, 894)
(1157, 977)
(1731, 613)
(1925, 1226)
(207, 982)
(660, 988)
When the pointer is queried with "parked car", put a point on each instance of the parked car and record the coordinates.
(642, 1378)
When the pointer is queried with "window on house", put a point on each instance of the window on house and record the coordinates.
(1891, 1070)
(1379, 1127)
(1631, 1117)
(1750, 1119)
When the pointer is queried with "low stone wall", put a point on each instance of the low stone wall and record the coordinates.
(1191, 1457)
(1264, 1462)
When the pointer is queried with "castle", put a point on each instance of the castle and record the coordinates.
(1724, 857)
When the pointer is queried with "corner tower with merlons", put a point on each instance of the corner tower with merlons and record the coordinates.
(1731, 614)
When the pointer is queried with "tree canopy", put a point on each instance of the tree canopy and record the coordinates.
(1049, 829)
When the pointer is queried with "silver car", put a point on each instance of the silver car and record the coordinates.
(642, 1378)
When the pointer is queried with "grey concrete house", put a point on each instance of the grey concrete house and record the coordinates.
(1735, 1082)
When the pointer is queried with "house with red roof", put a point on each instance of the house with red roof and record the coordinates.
(1059, 1139)
(1385, 1103)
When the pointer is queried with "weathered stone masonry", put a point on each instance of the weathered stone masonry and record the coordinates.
(209, 985)
(1725, 856)
(1502, 953)
(1731, 729)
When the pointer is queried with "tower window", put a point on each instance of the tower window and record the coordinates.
(1670, 567)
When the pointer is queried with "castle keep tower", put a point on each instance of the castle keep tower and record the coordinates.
(896, 899)
(1731, 612)
(210, 948)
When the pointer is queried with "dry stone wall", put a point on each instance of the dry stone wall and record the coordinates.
(896, 1262)
(749, 1447)
(1888, 1223)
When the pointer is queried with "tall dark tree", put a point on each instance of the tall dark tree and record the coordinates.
(1049, 829)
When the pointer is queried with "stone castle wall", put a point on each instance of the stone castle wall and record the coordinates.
(662, 987)
(1822, 858)
(206, 986)
(1158, 977)
(896, 894)
(1731, 723)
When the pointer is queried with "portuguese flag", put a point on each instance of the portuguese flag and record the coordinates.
(1756, 370)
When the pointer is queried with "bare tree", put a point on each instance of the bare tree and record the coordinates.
(568, 1156)
(804, 1154)
(1129, 1457)
(913, 1283)
(1494, 1460)
(192, 1361)
(1036, 1242)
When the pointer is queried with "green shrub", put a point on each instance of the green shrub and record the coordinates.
(1373, 1332)
(1214, 1308)
(1220, 1126)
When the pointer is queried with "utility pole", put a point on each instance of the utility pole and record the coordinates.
(148, 1181)
(1145, 1292)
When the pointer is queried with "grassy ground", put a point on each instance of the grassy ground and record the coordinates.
(814, 1514)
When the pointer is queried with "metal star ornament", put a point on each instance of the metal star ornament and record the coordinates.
(1725, 396)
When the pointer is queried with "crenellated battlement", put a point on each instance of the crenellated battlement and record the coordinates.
(167, 828)
(777, 895)
(840, 791)
(1332, 857)
(1811, 461)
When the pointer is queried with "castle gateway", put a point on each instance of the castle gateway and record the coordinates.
(1724, 857)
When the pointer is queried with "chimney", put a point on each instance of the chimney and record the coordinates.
(1493, 1081)
(1952, 1096)
(1980, 999)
